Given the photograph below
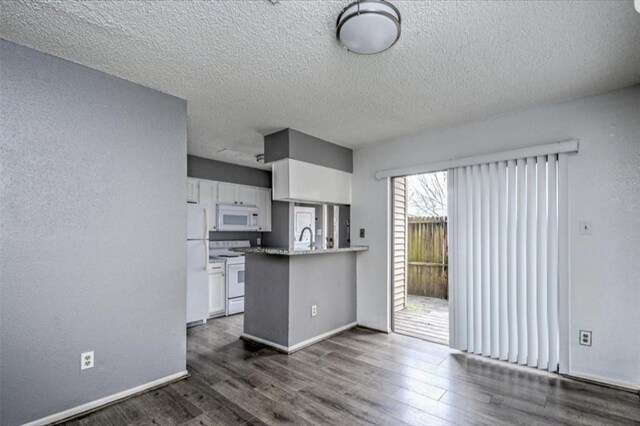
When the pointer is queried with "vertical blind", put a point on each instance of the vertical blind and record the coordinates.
(503, 272)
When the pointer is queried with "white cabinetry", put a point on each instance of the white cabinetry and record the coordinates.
(209, 195)
(264, 210)
(247, 195)
(217, 296)
(229, 193)
(192, 190)
(295, 180)
(213, 193)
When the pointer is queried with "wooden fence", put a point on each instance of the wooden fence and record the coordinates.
(428, 258)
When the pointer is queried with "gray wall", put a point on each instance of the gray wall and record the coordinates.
(290, 143)
(325, 280)
(280, 290)
(266, 297)
(279, 235)
(344, 224)
(93, 227)
(204, 168)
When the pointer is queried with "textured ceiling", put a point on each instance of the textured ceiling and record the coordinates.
(249, 68)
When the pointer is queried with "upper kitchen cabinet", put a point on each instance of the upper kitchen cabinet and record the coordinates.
(264, 209)
(305, 182)
(209, 195)
(192, 190)
(229, 193)
(214, 193)
(247, 196)
(308, 169)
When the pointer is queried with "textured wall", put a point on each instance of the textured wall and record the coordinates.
(604, 187)
(92, 234)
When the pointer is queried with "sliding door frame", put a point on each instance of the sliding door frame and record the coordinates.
(564, 149)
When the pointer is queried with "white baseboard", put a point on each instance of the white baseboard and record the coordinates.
(98, 403)
(373, 327)
(298, 346)
(604, 381)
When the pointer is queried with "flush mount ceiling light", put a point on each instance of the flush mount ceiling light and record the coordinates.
(367, 27)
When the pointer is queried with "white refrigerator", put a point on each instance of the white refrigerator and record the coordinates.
(197, 262)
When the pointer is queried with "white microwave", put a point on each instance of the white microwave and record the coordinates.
(237, 218)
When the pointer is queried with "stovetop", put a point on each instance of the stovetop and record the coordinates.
(221, 249)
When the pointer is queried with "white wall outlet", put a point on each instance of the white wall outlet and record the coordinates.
(585, 227)
(86, 360)
(314, 310)
(585, 337)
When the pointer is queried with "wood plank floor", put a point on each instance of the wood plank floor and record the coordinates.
(426, 318)
(360, 378)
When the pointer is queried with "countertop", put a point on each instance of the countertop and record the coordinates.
(281, 251)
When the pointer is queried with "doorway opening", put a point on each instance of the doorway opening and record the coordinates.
(420, 258)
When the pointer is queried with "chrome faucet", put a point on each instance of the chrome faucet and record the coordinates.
(310, 236)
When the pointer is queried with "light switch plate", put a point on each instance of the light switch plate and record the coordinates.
(361, 232)
(585, 227)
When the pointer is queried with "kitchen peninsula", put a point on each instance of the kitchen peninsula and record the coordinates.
(294, 298)
(301, 287)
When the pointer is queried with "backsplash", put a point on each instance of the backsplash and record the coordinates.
(225, 236)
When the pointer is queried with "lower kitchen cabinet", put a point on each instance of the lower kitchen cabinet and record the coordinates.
(216, 290)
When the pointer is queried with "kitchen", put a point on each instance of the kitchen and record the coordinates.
(292, 125)
(240, 234)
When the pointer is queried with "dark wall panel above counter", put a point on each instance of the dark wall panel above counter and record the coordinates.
(290, 143)
(204, 168)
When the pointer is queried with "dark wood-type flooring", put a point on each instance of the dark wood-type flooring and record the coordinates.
(360, 378)
(423, 317)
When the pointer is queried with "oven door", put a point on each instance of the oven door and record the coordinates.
(235, 275)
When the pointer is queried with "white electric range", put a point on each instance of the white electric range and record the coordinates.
(234, 272)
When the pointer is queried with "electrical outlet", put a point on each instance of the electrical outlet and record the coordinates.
(585, 227)
(86, 360)
(585, 338)
(314, 310)
(361, 232)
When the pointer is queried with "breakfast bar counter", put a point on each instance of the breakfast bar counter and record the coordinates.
(294, 298)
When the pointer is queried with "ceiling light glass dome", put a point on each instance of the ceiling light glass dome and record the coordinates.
(368, 26)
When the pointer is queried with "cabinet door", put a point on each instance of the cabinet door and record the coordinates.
(227, 193)
(216, 291)
(247, 195)
(264, 210)
(192, 190)
(209, 196)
